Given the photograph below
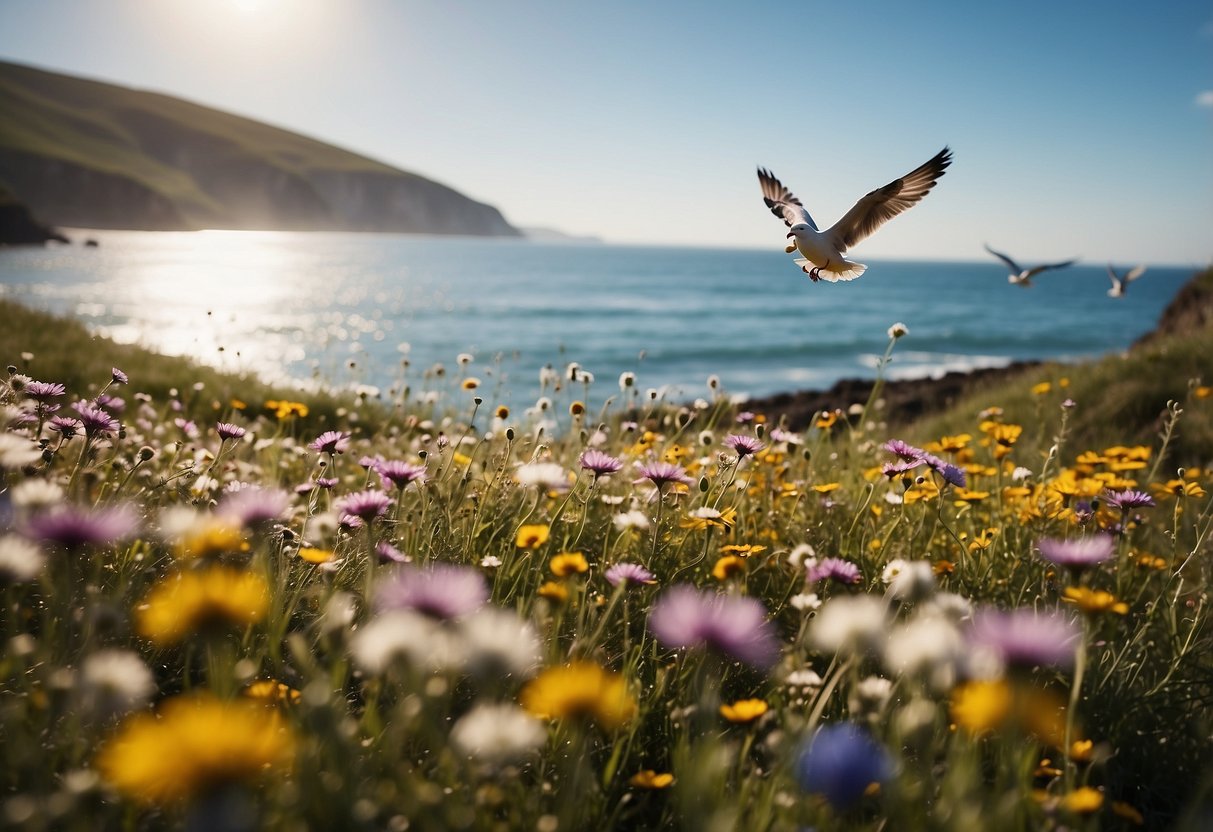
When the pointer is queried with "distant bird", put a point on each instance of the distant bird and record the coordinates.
(824, 251)
(1120, 284)
(1020, 276)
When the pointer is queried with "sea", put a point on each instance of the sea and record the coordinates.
(379, 313)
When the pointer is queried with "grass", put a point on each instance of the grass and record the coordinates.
(212, 630)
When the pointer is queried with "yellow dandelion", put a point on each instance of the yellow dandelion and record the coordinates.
(191, 601)
(194, 745)
(313, 555)
(1083, 801)
(210, 537)
(981, 706)
(284, 410)
(728, 566)
(743, 550)
(580, 690)
(1041, 388)
(744, 710)
(649, 779)
(553, 591)
(568, 563)
(532, 536)
(272, 692)
(1093, 601)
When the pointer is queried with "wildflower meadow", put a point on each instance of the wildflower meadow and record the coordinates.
(604, 611)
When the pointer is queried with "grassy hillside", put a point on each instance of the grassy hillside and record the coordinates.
(166, 162)
(1118, 398)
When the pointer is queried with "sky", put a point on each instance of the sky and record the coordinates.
(1079, 128)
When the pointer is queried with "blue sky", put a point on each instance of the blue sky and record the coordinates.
(1079, 128)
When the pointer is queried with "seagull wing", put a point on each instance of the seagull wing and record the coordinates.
(782, 202)
(1035, 270)
(1117, 283)
(1015, 268)
(1134, 273)
(882, 204)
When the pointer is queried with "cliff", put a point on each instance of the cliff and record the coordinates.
(85, 153)
(18, 227)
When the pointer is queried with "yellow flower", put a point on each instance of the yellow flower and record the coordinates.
(209, 537)
(568, 563)
(580, 690)
(943, 567)
(920, 491)
(287, 410)
(964, 495)
(272, 693)
(1082, 751)
(461, 459)
(554, 592)
(502, 412)
(577, 408)
(195, 744)
(1202, 392)
(1092, 601)
(953, 444)
(728, 566)
(827, 487)
(312, 555)
(1083, 801)
(191, 601)
(649, 779)
(532, 536)
(1046, 769)
(981, 706)
(827, 420)
(470, 383)
(236, 404)
(743, 550)
(1148, 561)
(982, 540)
(1041, 389)
(1177, 488)
(744, 710)
(707, 518)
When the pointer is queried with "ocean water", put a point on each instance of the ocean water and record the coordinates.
(382, 310)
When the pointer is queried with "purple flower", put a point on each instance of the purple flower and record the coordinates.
(892, 470)
(387, 553)
(43, 391)
(628, 573)
(114, 403)
(369, 462)
(441, 591)
(187, 427)
(662, 474)
(252, 506)
(601, 464)
(70, 527)
(227, 430)
(743, 445)
(840, 761)
(395, 472)
(327, 482)
(66, 426)
(118, 377)
(366, 505)
(904, 450)
(736, 626)
(835, 569)
(1126, 501)
(331, 442)
(96, 421)
(950, 473)
(1025, 638)
(1078, 554)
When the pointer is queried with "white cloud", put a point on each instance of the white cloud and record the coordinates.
(1204, 99)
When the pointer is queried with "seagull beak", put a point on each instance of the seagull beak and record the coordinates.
(791, 234)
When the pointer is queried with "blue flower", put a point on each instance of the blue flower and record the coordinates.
(839, 762)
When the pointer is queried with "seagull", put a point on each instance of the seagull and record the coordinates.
(824, 251)
(1020, 276)
(1119, 284)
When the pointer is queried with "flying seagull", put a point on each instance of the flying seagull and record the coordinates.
(1119, 284)
(1020, 276)
(825, 251)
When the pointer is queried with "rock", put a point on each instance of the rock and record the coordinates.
(18, 226)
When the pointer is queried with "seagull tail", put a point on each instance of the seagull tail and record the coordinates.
(846, 270)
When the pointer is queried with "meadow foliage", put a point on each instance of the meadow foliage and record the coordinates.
(433, 613)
